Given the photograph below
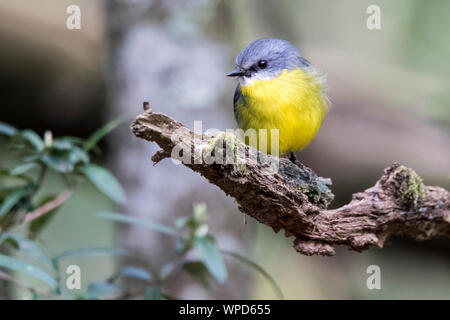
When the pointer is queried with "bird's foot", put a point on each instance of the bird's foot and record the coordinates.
(295, 161)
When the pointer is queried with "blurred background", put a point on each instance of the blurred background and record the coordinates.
(390, 94)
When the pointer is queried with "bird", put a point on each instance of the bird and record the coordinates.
(278, 89)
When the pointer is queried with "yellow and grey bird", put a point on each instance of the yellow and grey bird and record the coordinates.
(278, 89)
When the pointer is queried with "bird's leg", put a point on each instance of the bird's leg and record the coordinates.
(295, 161)
(293, 158)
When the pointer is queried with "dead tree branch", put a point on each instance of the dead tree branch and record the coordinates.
(295, 199)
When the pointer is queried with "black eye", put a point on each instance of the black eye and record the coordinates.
(262, 64)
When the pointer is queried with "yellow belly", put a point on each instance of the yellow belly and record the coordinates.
(293, 103)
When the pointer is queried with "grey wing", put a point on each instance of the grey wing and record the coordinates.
(236, 98)
(303, 62)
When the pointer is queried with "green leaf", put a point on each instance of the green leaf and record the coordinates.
(6, 173)
(135, 272)
(33, 138)
(17, 265)
(181, 222)
(11, 200)
(167, 269)
(63, 143)
(23, 168)
(188, 222)
(143, 222)
(57, 162)
(65, 160)
(195, 221)
(77, 155)
(103, 131)
(28, 248)
(104, 181)
(32, 157)
(102, 290)
(210, 255)
(73, 140)
(153, 293)
(7, 129)
(68, 143)
(90, 251)
(3, 237)
(198, 271)
(258, 268)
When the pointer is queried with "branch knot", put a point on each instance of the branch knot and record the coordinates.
(404, 185)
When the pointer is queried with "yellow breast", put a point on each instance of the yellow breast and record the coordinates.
(294, 103)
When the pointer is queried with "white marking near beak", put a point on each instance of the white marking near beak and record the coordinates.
(264, 76)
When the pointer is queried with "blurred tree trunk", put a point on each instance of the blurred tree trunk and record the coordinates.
(159, 52)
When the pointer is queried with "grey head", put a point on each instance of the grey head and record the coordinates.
(265, 59)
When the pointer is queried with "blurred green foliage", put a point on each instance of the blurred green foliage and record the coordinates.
(70, 157)
(23, 214)
(191, 238)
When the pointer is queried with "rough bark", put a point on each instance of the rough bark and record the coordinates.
(295, 199)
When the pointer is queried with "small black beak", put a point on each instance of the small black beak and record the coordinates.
(237, 72)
